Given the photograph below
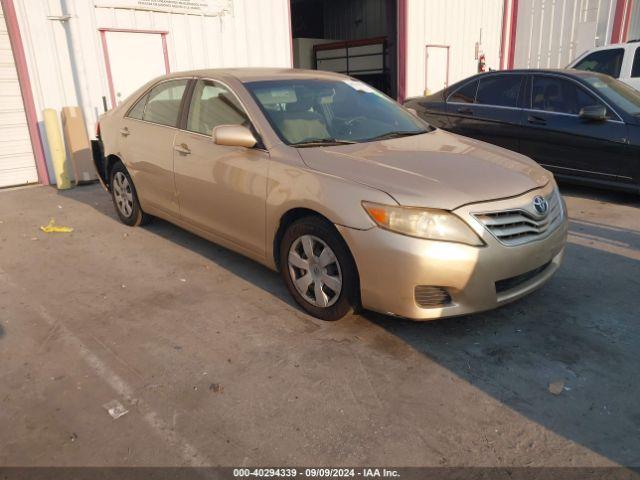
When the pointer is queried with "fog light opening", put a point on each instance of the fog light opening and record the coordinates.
(428, 296)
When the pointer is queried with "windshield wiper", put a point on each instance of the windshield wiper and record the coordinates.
(396, 134)
(314, 142)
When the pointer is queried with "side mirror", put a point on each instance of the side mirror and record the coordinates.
(594, 113)
(233, 136)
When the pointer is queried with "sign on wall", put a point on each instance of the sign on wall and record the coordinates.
(192, 7)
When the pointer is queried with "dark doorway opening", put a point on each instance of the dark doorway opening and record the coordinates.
(354, 37)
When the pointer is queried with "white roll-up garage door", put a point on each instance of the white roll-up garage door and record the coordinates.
(17, 163)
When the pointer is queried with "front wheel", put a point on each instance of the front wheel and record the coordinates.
(318, 269)
(125, 198)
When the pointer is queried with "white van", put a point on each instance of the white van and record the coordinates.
(621, 61)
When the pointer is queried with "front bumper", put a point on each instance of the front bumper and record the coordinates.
(391, 266)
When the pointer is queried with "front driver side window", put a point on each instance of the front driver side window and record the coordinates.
(212, 105)
(553, 94)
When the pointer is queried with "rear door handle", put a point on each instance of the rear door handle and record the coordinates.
(183, 149)
(536, 120)
(465, 111)
(125, 132)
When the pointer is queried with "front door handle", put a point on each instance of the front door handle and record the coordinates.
(125, 132)
(536, 120)
(465, 111)
(182, 149)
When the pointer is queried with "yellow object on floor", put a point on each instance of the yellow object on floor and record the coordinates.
(56, 148)
(53, 228)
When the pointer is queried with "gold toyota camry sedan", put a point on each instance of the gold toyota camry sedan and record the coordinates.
(353, 199)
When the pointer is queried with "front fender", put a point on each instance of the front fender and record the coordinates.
(339, 200)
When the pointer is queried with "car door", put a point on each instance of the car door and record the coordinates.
(221, 189)
(146, 142)
(560, 140)
(493, 116)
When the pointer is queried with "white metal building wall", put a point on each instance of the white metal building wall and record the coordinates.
(458, 24)
(634, 25)
(17, 164)
(551, 33)
(254, 33)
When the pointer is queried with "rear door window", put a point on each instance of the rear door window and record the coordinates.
(499, 90)
(464, 94)
(607, 61)
(163, 104)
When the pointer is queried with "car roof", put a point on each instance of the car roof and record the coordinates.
(570, 72)
(260, 74)
(531, 71)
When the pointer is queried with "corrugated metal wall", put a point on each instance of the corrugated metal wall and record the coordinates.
(551, 33)
(458, 24)
(64, 72)
(634, 25)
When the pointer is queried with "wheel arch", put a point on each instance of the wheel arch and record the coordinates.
(297, 213)
(110, 161)
(287, 219)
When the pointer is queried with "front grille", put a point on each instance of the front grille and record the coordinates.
(520, 225)
(513, 282)
(432, 297)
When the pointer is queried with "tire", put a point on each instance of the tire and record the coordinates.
(125, 198)
(333, 271)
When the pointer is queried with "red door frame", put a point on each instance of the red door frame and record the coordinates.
(107, 62)
(508, 34)
(20, 59)
(426, 62)
(513, 27)
(402, 49)
(503, 35)
(621, 21)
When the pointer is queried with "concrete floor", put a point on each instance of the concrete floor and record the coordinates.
(217, 367)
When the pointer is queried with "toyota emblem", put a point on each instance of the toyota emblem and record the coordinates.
(541, 205)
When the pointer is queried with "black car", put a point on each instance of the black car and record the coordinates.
(583, 126)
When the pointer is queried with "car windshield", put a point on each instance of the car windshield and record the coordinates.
(308, 113)
(621, 94)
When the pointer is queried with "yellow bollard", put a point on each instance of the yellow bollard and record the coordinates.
(56, 148)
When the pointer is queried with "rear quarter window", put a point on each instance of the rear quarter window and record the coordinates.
(137, 111)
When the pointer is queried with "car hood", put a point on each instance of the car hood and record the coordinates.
(434, 170)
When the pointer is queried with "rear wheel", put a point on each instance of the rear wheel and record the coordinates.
(318, 269)
(125, 198)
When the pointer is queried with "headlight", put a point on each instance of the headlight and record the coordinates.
(422, 223)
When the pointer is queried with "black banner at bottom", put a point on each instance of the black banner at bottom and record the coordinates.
(233, 473)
